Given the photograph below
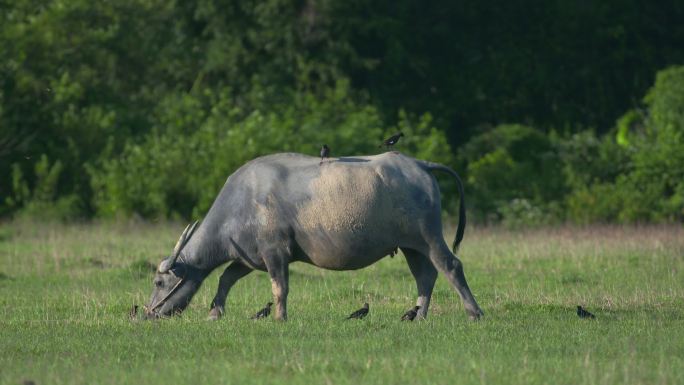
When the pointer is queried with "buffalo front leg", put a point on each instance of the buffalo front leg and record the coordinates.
(278, 270)
(425, 275)
(232, 274)
(449, 265)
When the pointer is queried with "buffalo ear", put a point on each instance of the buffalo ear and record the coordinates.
(166, 265)
(178, 270)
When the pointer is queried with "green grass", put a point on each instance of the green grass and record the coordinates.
(65, 292)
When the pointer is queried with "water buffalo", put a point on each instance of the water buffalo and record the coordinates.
(344, 214)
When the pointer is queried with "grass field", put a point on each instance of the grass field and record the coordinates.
(65, 292)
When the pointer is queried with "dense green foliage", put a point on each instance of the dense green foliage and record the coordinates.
(145, 107)
(167, 176)
(642, 179)
(67, 291)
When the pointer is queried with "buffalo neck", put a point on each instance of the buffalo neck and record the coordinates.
(203, 251)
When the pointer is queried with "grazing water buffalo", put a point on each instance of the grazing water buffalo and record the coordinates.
(344, 214)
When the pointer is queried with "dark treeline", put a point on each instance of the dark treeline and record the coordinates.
(552, 110)
(543, 63)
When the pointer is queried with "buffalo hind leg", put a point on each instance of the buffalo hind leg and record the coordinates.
(278, 270)
(425, 275)
(452, 268)
(232, 274)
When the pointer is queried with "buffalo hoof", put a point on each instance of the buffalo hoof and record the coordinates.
(215, 314)
(475, 315)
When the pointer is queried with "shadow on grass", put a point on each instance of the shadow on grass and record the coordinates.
(142, 269)
(6, 234)
(552, 309)
(307, 275)
(97, 263)
(668, 312)
(573, 279)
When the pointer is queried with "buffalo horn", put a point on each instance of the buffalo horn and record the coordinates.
(168, 263)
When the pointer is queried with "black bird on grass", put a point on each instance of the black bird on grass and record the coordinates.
(411, 314)
(133, 312)
(325, 152)
(582, 313)
(359, 314)
(391, 141)
(263, 313)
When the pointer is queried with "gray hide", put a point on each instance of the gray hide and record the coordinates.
(344, 214)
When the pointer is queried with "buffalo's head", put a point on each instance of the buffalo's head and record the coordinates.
(175, 281)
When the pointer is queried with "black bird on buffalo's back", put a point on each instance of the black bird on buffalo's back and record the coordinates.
(359, 314)
(263, 313)
(391, 141)
(411, 314)
(325, 152)
(582, 313)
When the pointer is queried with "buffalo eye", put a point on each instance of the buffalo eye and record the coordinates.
(158, 283)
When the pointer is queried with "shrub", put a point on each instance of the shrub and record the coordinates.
(43, 201)
(638, 174)
(178, 169)
(508, 164)
(656, 183)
